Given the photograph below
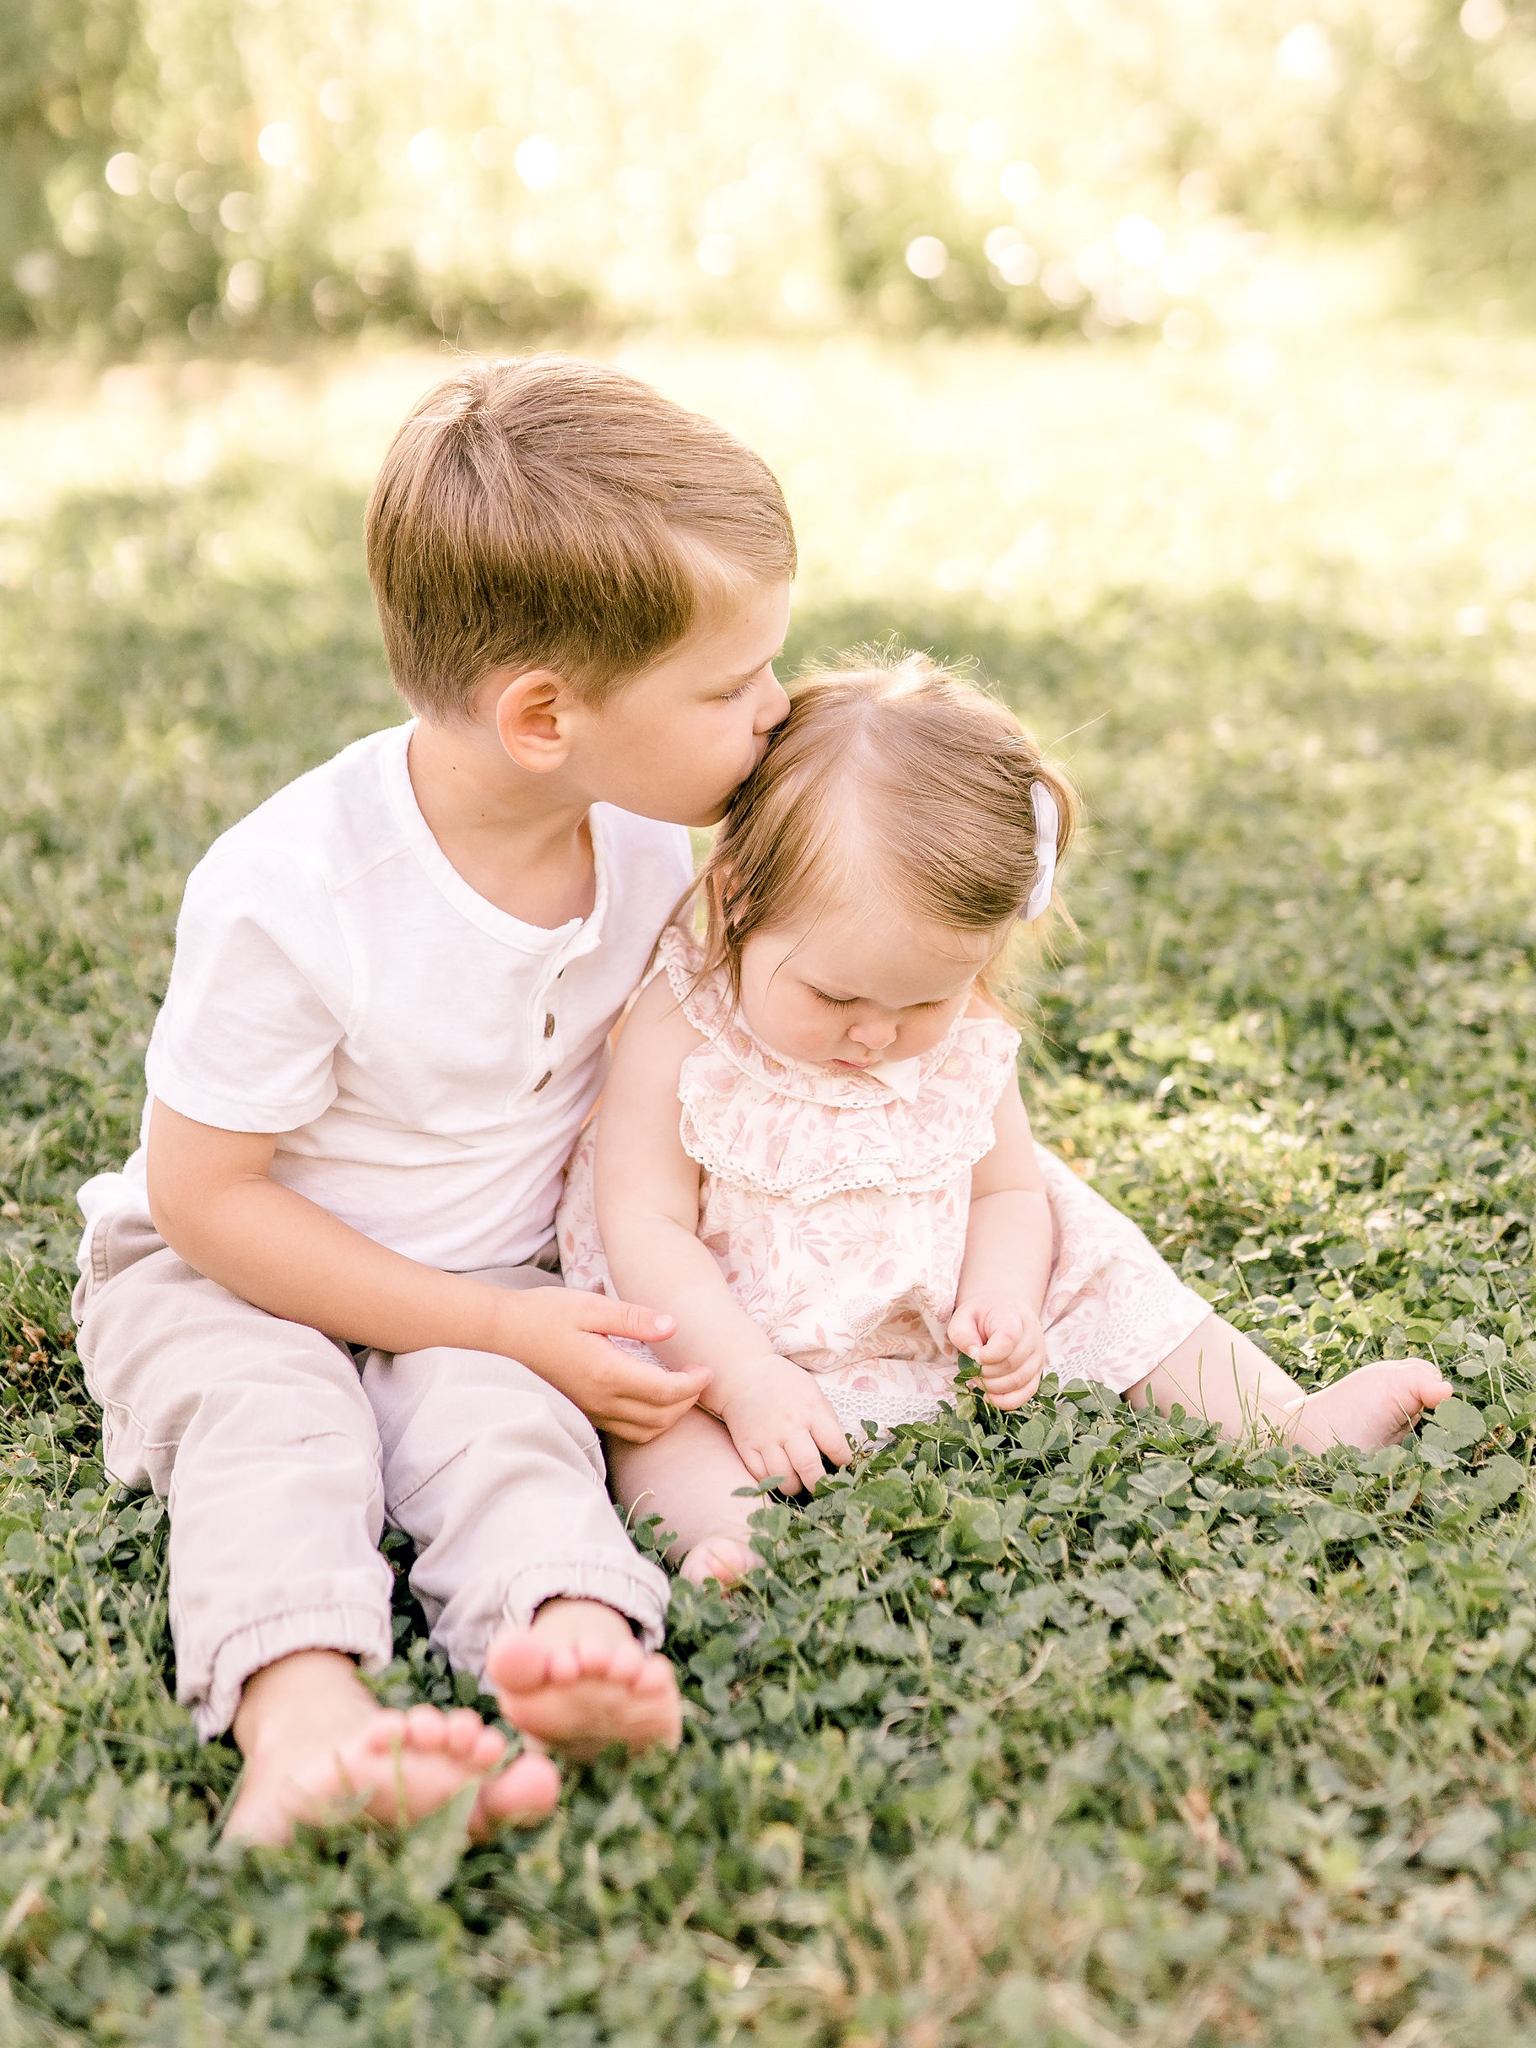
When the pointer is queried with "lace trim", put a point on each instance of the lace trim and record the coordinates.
(704, 1002)
(715, 1152)
(886, 1409)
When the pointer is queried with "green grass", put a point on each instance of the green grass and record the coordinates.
(1061, 1728)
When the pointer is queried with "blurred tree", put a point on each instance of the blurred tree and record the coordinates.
(215, 167)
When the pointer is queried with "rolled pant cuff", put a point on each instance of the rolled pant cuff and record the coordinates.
(360, 1632)
(640, 1591)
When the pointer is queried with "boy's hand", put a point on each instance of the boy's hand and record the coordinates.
(560, 1333)
(1004, 1336)
(781, 1422)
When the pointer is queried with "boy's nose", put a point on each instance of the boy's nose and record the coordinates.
(774, 708)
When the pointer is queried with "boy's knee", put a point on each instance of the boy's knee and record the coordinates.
(439, 1406)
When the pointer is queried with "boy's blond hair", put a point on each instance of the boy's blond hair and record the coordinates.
(893, 775)
(552, 513)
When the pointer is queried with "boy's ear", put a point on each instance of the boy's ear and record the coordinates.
(530, 724)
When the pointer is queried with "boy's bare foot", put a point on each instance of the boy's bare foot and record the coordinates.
(318, 1746)
(578, 1681)
(726, 1558)
(1376, 1404)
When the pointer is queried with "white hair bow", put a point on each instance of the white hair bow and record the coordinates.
(1047, 827)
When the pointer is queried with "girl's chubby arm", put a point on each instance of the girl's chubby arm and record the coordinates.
(1007, 1263)
(647, 1191)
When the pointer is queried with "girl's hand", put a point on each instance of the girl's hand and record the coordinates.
(1004, 1336)
(781, 1423)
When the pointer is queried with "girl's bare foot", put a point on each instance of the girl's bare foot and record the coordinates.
(578, 1681)
(726, 1558)
(319, 1747)
(1376, 1404)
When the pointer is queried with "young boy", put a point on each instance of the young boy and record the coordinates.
(323, 1293)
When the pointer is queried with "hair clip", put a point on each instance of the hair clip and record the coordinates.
(1047, 827)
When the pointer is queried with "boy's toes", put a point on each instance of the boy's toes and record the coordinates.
(519, 1796)
(467, 1739)
(518, 1661)
(565, 1664)
(425, 1729)
(622, 1662)
(384, 1732)
(660, 1705)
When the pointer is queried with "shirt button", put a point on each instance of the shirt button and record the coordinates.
(548, 1077)
(549, 1025)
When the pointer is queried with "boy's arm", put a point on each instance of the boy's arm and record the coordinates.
(213, 1202)
(648, 1213)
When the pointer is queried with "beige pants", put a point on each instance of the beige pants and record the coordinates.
(280, 1461)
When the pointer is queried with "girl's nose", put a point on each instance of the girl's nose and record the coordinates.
(873, 1037)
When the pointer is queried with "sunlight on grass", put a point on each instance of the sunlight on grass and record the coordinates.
(1397, 471)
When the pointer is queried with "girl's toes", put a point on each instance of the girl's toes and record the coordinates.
(725, 1559)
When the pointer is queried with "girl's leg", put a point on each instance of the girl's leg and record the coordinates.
(1221, 1374)
(689, 1476)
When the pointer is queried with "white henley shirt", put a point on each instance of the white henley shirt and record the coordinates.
(425, 1060)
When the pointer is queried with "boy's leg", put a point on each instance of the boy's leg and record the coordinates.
(257, 1434)
(690, 1476)
(1221, 1374)
(523, 1568)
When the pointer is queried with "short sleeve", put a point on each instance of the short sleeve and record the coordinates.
(259, 997)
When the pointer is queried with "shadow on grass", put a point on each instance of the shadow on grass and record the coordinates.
(1269, 830)
(184, 609)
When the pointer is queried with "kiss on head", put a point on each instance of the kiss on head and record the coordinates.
(375, 1258)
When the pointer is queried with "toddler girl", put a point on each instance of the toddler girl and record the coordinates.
(813, 1153)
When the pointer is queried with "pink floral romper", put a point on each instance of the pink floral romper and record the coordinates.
(836, 1205)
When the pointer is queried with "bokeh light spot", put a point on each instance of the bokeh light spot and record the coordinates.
(246, 285)
(124, 173)
(278, 144)
(1019, 183)
(927, 257)
(1305, 56)
(1140, 240)
(1482, 20)
(537, 162)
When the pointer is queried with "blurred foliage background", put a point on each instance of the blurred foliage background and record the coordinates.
(258, 169)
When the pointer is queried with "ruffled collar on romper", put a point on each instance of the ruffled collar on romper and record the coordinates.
(802, 1131)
